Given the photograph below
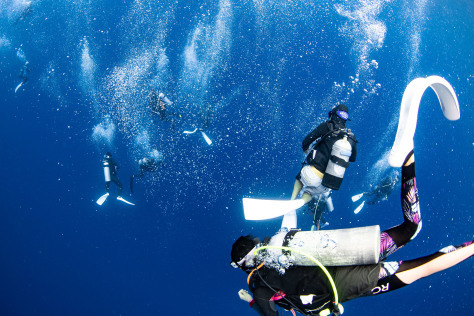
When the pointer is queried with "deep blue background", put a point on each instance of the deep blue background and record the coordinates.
(270, 71)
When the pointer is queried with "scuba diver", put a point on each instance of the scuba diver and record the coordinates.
(24, 75)
(334, 148)
(306, 289)
(110, 175)
(28, 9)
(381, 192)
(148, 164)
(158, 104)
(313, 291)
(205, 115)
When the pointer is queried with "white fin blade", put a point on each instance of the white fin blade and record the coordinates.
(357, 197)
(257, 209)
(206, 138)
(359, 208)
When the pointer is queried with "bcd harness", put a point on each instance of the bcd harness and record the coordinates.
(333, 133)
(340, 151)
(335, 307)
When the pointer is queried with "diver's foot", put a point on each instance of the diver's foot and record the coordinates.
(408, 168)
(410, 158)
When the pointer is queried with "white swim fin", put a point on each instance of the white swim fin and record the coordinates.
(357, 197)
(18, 86)
(190, 132)
(359, 208)
(256, 209)
(102, 199)
(206, 138)
(409, 113)
(123, 200)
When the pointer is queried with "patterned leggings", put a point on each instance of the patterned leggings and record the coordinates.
(398, 236)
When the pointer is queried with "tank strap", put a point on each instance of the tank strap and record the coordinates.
(312, 153)
(340, 162)
(288, 237)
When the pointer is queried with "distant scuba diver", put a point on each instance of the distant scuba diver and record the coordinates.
(24, 75)
(205, 115)
(148, 164)
(380, 193)
(25, 13)
(110, 175)
(158, 105)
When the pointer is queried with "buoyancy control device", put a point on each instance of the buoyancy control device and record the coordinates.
(337, 164)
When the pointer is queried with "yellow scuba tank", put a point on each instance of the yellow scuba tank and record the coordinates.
(337, 164)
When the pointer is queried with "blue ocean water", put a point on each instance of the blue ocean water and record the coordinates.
(265, 73)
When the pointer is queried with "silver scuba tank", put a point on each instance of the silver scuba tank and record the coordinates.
(165, 99)
(106, 166)
(339, 247)
(337, 164)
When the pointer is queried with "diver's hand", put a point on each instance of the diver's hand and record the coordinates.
(245, 296)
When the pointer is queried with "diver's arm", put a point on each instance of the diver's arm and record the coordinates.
(315, 134)
(353, 156)
(113, 164)
(262, 304)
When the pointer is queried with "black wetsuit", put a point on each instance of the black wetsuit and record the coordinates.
(157, 106)
(113, 167)
(324, 147)
(24, 74)
(351, 282)
(150, 165)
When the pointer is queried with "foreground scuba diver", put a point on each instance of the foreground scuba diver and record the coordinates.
(110, 175)
(307, 290)
(313, 291)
